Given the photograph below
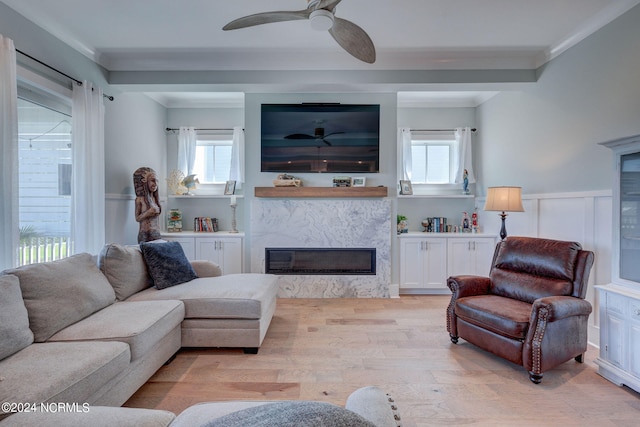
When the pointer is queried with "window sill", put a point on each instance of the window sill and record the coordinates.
(436, 196)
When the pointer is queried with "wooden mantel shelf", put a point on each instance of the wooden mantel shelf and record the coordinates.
(321, 192)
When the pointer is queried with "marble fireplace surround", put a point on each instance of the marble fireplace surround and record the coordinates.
(324, 223)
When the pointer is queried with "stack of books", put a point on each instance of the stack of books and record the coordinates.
(205, 224)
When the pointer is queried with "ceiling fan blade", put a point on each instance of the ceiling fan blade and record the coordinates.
(333, 133)
(299, 136)
(328, 4)
(266, 18)
(354, 40)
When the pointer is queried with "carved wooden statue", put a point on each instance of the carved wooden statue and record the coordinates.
(145, 183)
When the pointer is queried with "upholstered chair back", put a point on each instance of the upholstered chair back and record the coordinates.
(527, 268)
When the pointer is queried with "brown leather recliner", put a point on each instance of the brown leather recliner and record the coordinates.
(531, 309)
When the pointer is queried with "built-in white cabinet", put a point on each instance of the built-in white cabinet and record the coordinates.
(619, 336)
(423, 263)
(470, 255)
(428, 259)
(619, 302)
(223, 248)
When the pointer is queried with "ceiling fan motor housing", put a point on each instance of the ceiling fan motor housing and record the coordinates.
(321, 20)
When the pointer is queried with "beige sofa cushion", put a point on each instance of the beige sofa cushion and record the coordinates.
(125, 269)
(61, 372)
(141, 324)
(93, 416)
(14, 319)
(60, 293)
(231, 296)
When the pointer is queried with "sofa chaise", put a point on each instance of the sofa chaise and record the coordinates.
(73, 332)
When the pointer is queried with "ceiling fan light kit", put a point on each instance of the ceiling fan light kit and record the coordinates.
(321, 15)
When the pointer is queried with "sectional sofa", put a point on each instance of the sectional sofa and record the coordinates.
(93, 329)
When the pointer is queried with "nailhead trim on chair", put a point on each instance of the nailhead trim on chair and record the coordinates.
(536, 343)
(394, 409)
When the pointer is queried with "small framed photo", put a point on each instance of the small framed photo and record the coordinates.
(358, 181)
(405, 187)
(230, 188)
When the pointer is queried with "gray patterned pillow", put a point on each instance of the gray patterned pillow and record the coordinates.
(167, 264)
(292, 413)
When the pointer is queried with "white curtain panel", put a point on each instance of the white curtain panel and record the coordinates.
(465, 157)
(87, 150)
(405, 141)
(187, 138)
(9, 219)
(237, 155)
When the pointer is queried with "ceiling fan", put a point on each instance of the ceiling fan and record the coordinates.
(318, 135)
(321, 15)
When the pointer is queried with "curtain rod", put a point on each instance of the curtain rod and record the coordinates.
(104, 95)
(439, 130)
(175, 129)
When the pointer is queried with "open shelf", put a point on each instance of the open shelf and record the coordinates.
(321, 192)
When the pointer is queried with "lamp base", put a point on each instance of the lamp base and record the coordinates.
(503, 230)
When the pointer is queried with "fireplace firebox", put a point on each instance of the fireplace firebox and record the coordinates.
(338, 261)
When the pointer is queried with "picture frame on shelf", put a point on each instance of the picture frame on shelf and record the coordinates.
(405, 187)
(230, 188)
(358, 181)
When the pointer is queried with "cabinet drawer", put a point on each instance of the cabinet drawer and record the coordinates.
(616, 303)
(634, 310)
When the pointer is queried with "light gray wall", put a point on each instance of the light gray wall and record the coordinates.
(134, 137)
(544, 138)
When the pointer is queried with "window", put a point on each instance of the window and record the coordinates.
(213, 158)
(44, 178)
(432, 159)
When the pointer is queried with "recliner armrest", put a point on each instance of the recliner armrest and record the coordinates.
(560, 307)
(464, 286)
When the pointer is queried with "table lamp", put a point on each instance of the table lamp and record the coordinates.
(504, 199)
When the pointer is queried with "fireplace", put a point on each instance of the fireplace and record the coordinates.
(318, 224)
(333, 261)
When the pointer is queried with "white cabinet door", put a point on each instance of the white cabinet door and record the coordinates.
(411, 265)
(613, 345)
(423, 263)
(471, 255)
(435, 262)
(230, 255)
(226, 252)
(483, 248)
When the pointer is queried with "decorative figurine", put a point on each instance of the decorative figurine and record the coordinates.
(175, 183)
(474, 221)
(465, 222)
(147, 203)
(465, 182)
(190, 182)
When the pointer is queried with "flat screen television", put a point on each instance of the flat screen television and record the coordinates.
(334, 138)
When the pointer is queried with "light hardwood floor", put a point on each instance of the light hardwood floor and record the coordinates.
(323, 349)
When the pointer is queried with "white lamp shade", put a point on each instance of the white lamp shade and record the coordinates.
(504, 199)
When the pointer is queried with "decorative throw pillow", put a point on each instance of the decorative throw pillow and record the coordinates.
(167, 264)
(60, 293)
(125, 268)
(14, 320)
(298, 413)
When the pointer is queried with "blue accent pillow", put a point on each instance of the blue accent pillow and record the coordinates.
(167, 264)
